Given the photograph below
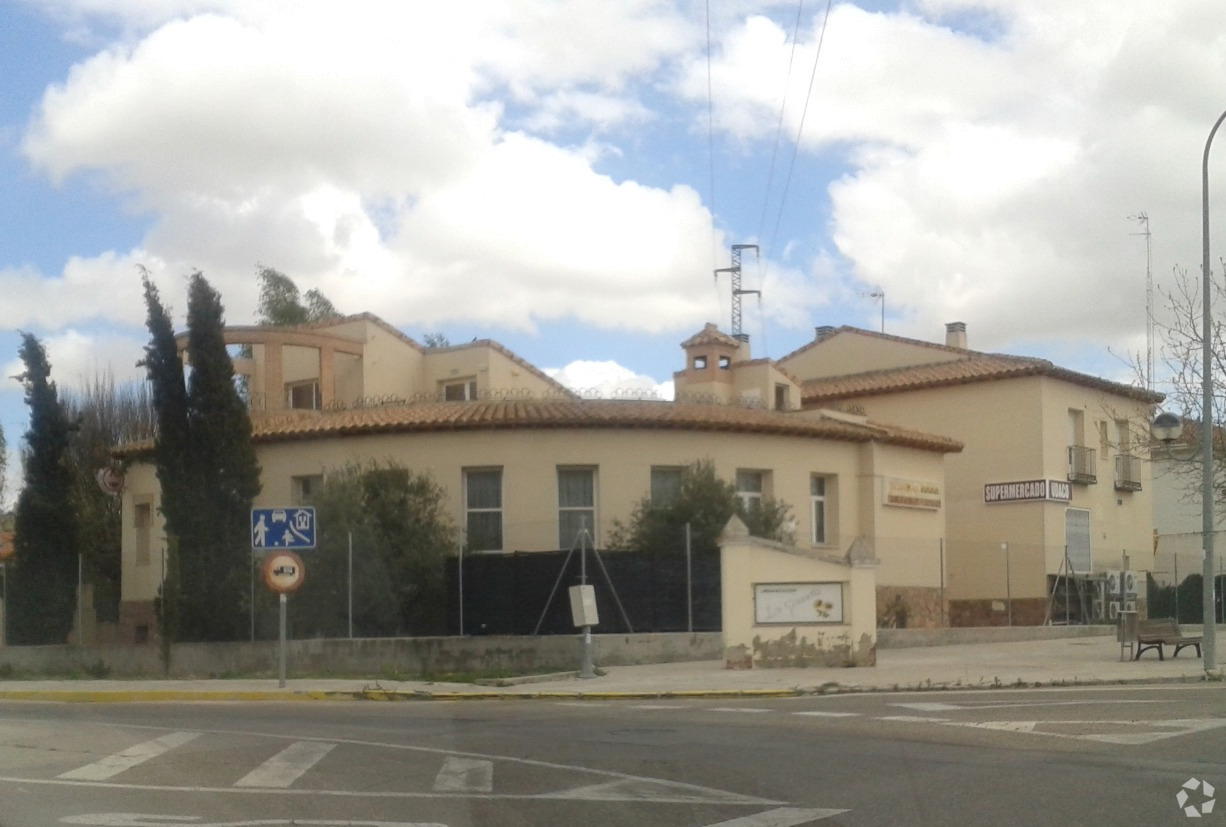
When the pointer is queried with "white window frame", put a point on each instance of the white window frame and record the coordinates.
(819, 501)
(585, 510)
(470, 509)
(467, 388)
(312, 385)
(744, 490)
(663, 472)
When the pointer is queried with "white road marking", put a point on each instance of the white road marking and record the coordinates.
(942, 707)
(632, 789)
(782, 817)
(829, 714)
(912, 719)
(144, 820)
(1130, 733)
(465, 774)
(287, 766)
(1004, 726)
(666, 792)
(746, 709)
(113, 765)
(658, 706)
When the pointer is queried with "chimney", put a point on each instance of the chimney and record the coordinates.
(823, 332)
(955, 335)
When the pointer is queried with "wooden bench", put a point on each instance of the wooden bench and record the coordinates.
(1154, 634)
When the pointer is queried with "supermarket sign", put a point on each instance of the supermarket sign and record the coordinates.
(1057, 491)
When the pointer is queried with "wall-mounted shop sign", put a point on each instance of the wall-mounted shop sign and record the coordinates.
(912, 493)
(798, 603)
(1058, 491)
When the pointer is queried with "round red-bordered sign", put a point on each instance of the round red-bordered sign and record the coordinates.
(283, 572)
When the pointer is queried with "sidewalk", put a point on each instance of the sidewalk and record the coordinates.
(1063, 662)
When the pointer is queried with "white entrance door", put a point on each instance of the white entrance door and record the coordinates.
(1077, 539)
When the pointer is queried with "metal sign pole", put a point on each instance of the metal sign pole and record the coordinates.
(4, 605)
(253, 594)
(351, 585)
(586, 668)
(281, 649)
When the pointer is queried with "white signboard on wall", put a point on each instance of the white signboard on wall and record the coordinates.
(912, 493)
(792, 603)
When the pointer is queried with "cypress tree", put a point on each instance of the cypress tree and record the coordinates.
(222, 465)
(42, 593)
(172, 447)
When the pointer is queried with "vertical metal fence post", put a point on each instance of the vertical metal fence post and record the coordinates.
(1008, 585)
(351, 589)
(689, 582)
(941, 554)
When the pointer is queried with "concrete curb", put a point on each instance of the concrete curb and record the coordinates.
(209, 696)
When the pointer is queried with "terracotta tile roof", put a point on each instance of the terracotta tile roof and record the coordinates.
(336, 321)
(889, 337)
(519, 360)
(711, 334)
(975, 367)
(965, 367)
(573, 414)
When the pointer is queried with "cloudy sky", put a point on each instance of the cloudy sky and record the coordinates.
(564, 177)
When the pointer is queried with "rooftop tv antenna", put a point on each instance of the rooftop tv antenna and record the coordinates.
(1143, 220)
(879, 293)
(737, 292)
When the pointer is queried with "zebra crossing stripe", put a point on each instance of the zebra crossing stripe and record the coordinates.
(113, 765)
(465, 775)
(287, 766)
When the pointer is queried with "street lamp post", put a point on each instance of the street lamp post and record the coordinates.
(1167, 427)
(1206, 416)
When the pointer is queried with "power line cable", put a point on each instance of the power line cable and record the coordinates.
(711, 142)
(801, 128)
(783, 104)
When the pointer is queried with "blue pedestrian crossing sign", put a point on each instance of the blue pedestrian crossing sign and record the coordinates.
(292, 528)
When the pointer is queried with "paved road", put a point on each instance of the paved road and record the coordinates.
(1004, 757)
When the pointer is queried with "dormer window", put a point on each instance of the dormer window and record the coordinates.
(303, 395)
(700, 363)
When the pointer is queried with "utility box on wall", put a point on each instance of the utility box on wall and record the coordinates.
(583, 606)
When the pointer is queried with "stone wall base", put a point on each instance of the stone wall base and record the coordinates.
(138, 622)
(1027, 611)
(909, 607)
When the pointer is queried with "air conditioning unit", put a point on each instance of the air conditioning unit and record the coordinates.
(1130, 605)
(1099, 609)
(1113, 610)
(1112, 581)
(1130, 582)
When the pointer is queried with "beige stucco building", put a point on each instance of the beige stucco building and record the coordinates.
(1053, 477)
(525, 462)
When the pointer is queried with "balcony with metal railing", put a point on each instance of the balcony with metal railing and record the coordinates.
(1082, 465)
(1127, 473)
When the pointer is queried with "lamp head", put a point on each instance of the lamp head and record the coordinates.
(1166, 427)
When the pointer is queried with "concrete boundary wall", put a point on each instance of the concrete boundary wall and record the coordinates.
(423, 656)
(908, 638)
(376, 657)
